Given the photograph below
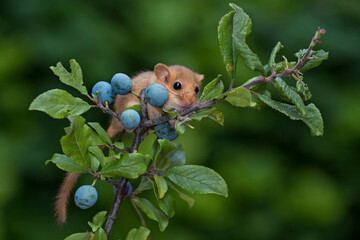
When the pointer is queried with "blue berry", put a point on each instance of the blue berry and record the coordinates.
(164, 130)
(85, 196)
(156, 94)
(128, 189)
(130, 119)
(105, 91)
(121, 84)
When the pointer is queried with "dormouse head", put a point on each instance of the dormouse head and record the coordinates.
(182, 84)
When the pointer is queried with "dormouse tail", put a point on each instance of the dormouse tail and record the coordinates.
(62, 198)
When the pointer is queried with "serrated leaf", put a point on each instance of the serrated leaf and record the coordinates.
(161, 185)
(152, 212)
(312, 119)
(317, 57)
(167, 205)
(73, 79)
(66, 163)
(177, 156)
(130, 166)
(212, 113)
(141, 233)
(241, 30)
(100, 235)
(198, 179)
(290, 94)
(58, 103)
(303, 89)
(212, 89)
(225, 31)
(98, 154)
(78, 141)
(99, 218)
(189, 200)
(160, 148)
(239, 97)
(78, 236)
(101, 131)
(274, 52)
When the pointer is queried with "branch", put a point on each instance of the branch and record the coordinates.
(118, 199)
(289, 72)
(120, 185)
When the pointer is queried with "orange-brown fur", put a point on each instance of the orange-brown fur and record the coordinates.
(178, 99)
(62, 198)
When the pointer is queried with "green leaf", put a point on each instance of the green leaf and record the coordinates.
(94, 227)
(102, 133)
(256, 102)
(241, 30)
(303, 89)
(312, 119)
(177, 156)
(134, 107)
(189, 200)
(161, 185)
(172, 113)
(141, 233)
(290, 94)
(59, 104)
(239, 97)
(100, 235)
(99, 218)
(66, 163)
(225, 31)
(130, 166)
(119, 145)
(78, 236)
(180, 127)
(212, 113)
(144, 185)
(167, 205)
(317, 57)
(152, 212)
(98, 154)
(274, 52)
(73, 79)
(212, 89)
(198, 179)
(160, 148)
(78, 141)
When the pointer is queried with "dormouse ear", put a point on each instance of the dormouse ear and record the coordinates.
(200, 77)
(162, 72)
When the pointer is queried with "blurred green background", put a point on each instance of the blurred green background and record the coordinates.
(283, 183)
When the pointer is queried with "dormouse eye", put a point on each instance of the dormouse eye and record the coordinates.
(196, 89)
(177, 86)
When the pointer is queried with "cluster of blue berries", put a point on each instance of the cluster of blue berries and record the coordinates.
(155, 94)
(120, 84)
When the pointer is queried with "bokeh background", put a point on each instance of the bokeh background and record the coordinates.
(283, 183)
